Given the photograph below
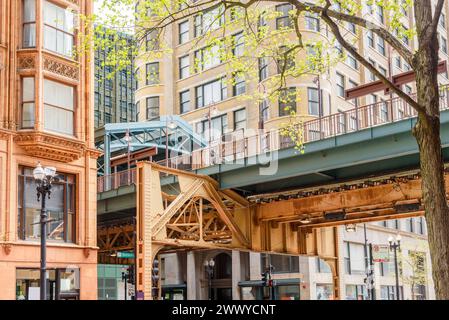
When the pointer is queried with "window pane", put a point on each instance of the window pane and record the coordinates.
(29, 10)
(28, 115)
(28, 89)
(57, 94)
(29, 35)
(58, 120)
(50, 38)
(58, 29)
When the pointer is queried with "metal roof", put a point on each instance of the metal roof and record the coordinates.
(181, 137)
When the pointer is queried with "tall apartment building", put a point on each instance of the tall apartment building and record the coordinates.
(171, 85)
(237, 275)
(46, 116)
(114, 91)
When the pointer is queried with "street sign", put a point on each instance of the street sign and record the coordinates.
(125, 254)
(381, 253)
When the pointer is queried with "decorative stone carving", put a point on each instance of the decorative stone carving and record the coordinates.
(47, 146)
(93, 153)
(26, 62)
(61, 68)
(7, 248)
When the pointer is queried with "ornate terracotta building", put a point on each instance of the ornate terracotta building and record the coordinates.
(46, 116)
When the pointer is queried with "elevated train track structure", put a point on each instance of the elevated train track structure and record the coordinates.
(360, 172)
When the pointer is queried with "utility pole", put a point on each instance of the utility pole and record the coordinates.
(369, 267)
(395, 246)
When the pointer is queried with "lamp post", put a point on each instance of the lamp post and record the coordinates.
(128, 142)
(43, 177)
(212, 112)
(317, 81)
(395, 246)
(168, 125)
(209, 266)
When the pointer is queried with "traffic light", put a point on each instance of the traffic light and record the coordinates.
(155, 278)
(265, 279)
(131, 274)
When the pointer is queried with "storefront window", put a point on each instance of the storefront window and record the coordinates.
(290, 292)
(62, 284)
(324, 292)
(356, 292)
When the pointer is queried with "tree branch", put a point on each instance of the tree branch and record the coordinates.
(381, 32)
(366, 63)
(436, 17)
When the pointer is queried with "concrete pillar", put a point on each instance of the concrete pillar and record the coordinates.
(255, 269)
(191, 276)
(306, 283)
(236, 274)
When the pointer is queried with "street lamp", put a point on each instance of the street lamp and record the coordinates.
(395, 245)
(317, 81)
(212, 112)
(168, 125)
(43, 177)
(209, 266)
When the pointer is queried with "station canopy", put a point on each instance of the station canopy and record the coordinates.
(118, 138)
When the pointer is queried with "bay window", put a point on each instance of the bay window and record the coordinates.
(60, 208)
(58, 29)
(29, 24)
(59, 107)
(27, 114)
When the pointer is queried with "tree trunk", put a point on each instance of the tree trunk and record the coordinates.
(427, 134)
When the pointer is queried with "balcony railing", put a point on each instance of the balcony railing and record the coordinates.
(116, 180)
(233, 147)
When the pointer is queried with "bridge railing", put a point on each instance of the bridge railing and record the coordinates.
(116, 180)
(232, 147)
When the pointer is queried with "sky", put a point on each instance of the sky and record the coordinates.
(104, 14)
